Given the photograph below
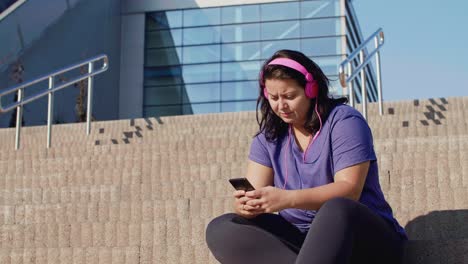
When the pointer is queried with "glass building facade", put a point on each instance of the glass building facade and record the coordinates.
(207, 60)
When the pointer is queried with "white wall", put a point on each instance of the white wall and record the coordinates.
(139, 6)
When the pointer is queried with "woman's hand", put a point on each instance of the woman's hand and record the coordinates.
(240, 206)
(268, 200)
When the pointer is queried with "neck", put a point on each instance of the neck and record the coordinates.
(301, 131)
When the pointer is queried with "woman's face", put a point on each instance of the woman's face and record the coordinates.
(288, 100)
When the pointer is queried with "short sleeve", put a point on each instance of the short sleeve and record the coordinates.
(259, 152)
(351, 140)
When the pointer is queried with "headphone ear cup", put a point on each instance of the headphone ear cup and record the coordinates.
(311, 90)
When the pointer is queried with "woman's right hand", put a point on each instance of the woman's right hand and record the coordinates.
(240, 206)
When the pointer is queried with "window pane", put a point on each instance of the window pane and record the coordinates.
(280, 11)
(240, 90)
(197, 93)
(150, 111)
(242, 51)
(280, 30)
(163, 57)
(270, 47)
(320, 27)
(200, 54)
(163, 75)
(202, 108)
(240, 14)
(201, 17)
(201, 73)
(204, 35)
(329, 65)
(335, 88)
(163, 20)
(327, 8)
(237, 33)
(238, 106)
(162, 95)
(321, 46)
(164, 38)
(240, 71)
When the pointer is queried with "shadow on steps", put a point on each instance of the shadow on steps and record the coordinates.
(438, 237)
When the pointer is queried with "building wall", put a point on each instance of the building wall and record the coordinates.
(200, 57)
(51, 34)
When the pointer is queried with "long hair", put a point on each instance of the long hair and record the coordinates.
(272, 125)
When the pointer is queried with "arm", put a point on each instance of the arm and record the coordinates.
(349, 183)
(259, 175)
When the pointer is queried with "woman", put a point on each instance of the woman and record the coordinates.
(312, 161)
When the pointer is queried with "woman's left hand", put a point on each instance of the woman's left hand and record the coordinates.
(269, 199)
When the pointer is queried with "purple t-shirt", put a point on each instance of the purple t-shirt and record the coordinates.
(345, 140)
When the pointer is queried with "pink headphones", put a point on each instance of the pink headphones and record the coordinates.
(311, 88)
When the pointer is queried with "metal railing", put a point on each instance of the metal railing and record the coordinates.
(348, 71)
(50, 92)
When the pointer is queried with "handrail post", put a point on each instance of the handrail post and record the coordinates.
(50, 111)
(350, 85)
(363, 87)
(90, 95)
(379, 78)
(19, 117)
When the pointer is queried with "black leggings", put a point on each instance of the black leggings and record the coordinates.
(343, 231)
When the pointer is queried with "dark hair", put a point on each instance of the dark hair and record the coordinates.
(272, 125)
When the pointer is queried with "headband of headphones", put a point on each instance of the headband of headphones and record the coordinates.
(311, 88)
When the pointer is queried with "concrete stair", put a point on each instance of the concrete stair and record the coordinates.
(143, 190)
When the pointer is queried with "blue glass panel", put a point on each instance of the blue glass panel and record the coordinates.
(163, 57)
(162, 95)
(150, 111)
(201, 73)
(325, 8)
(200, 54)
(163, 75)
(320, 27)
(241, 51)
(203, 35)
(238, 106)
(240, 14)
(202, 108)
(280, 11)
(238, 33)
(270, 47)
(198, 93)
(321, 46)
(280, 30)
(240, 90)
(329, 65)
(202, 17)
(164, 38)
(232, 71)
(163, 20)
(335, 88)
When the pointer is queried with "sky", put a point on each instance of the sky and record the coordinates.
(425, 54)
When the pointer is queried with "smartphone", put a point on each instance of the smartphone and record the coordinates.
(241, 184)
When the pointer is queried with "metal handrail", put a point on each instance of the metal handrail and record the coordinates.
(347, 73)
(50, 92)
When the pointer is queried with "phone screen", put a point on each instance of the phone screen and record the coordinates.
(241, 184)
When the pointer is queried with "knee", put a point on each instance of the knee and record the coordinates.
(217, 228)
(339, 205)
